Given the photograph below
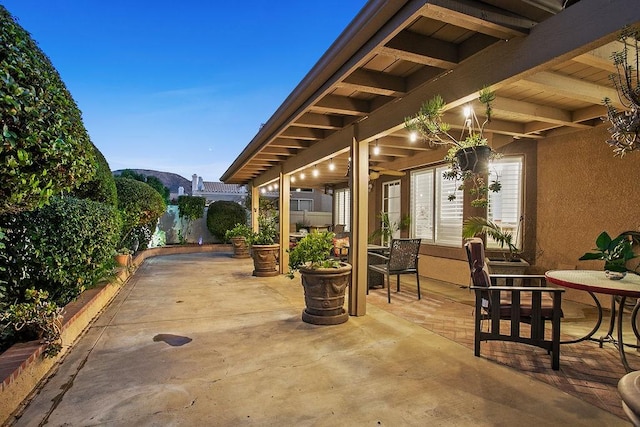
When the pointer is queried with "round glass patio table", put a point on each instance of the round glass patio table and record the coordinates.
(595, 281)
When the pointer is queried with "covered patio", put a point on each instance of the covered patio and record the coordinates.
(195, 339)
(343, 127)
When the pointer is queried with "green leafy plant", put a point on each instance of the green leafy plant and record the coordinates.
(614, 252)
(35, 318)
(267, 231)
(139, 205)
(312, 251)
(223, 215)
(190, 208)
(61, 248)
(429, 124)
(476, 226)
(388, 228)
(45, 149)
(239, 230)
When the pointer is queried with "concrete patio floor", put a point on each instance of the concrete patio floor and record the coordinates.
(196, 340)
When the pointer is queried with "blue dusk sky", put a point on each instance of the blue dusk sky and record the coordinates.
(183, 86)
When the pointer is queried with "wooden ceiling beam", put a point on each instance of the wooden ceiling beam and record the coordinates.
(282, 151)
(289, 143)
(572, 88)
(307, 134)
(527, 111)
(413, 47)
(375, 82)
(342, 105)
(319, 121)
(476, 17)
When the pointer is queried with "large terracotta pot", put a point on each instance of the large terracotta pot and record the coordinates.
(324, 290)
(265, 260)
(240, 247)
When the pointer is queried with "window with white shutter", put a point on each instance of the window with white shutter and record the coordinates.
(505, 206)
(435, 218)
(342, 208)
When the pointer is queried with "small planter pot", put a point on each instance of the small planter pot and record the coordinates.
(265, 260)
(240, 247)
(123, 260)
(324, 290)
(474, 159)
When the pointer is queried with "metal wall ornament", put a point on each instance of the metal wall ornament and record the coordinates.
(625, 129)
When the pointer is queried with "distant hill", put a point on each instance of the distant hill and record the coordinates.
(170, 180)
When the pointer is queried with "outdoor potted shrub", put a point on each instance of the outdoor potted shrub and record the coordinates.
(614, 252)
(123, 257)
(324, 279)
(512, 263)
(239, 237)
(264, 248)
(389, 228)
(468, 156)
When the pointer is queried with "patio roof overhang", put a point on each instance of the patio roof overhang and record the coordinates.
(548, 62)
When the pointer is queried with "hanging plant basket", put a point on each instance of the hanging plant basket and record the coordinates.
(474, 159)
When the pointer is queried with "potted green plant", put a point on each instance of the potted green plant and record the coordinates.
(389, 228)
(512, 263)
(468, 156)
(123, 256)
(239, 236)
(264, 248)
(324, 279)
(614, 252)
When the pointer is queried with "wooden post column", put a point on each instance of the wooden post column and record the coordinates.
(255, 206)
(284, 206)
(358, 181)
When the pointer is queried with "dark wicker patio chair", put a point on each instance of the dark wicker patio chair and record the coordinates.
(402, 259)
(527, 304)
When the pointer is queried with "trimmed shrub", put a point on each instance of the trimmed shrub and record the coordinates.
(44, 147)
(61, 248)
(224, 215)
(139, 205)
(102, 188)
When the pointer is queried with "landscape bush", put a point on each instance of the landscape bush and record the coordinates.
(152, 181)
(140, 207)
(102, 188)
(224, 215)
(61, 248)
(44, 146)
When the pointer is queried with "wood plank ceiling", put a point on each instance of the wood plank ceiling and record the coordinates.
(426, 45)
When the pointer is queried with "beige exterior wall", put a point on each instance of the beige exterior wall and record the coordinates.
(583, 190)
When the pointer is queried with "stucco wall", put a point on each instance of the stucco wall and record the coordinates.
(582, 190)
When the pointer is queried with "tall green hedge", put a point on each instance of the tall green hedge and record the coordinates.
(44, 147)
(139, 205)
(224, 215)
(102, 188)
(61, 248)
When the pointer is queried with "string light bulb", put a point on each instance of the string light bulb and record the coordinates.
(413, 136)
(376, 149)
(332, 167)
(315, 172)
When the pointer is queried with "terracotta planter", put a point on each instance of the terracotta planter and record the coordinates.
(265, 260)
(324, 290)
(240, 247)
(474, 159)
(123, 260)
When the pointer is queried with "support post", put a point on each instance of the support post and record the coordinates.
(284, 207)
(358, 182)
(255, 206)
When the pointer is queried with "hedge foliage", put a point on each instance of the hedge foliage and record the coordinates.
(102, 188)
(153, 181)
(44, 147)
(61, 248)
(139, 205)
(224, 215)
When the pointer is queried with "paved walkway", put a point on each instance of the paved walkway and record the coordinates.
(196, 340)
